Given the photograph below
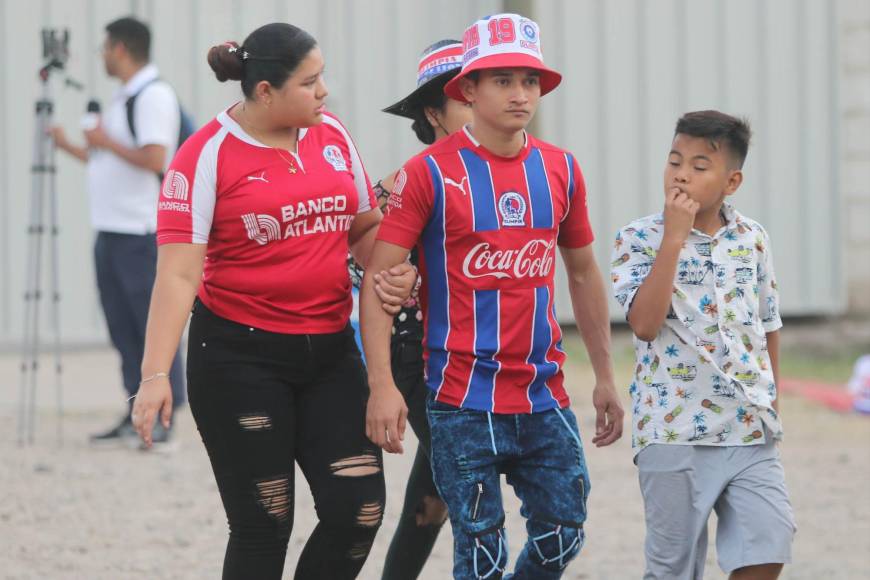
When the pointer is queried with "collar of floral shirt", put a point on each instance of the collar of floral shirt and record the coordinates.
(731, 217)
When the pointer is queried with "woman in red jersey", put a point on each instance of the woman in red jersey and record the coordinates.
(255, 218)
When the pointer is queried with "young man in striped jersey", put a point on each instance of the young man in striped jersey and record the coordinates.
(487, 207)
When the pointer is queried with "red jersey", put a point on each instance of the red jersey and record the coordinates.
(487, 228)
(276, 223)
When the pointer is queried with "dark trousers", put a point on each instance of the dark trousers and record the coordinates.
(262, 400)
(542, 456)
(412, 544)
(126, 266)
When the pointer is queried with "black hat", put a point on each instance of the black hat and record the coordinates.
(438, 64)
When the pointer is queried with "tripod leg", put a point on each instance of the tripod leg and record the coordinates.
(26, 355)
(31, 290)
(37, 298)
(39, 174)
(55, 291)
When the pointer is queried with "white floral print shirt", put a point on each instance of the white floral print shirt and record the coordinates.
(706, 379)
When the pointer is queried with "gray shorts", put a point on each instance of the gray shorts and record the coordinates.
(681, 484)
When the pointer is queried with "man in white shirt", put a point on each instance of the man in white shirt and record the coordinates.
(126, 155)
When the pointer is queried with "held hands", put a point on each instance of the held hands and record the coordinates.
(608, 414)
(394, 287)
(679, 214)
(386, 416)
(152, 398)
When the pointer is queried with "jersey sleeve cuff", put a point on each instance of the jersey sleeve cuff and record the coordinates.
(180, 239)
(395, 233)
(578, 239)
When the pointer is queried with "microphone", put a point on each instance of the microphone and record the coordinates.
(91, 118)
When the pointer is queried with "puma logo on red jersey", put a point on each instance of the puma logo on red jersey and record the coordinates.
(460, 186)
(261, 177)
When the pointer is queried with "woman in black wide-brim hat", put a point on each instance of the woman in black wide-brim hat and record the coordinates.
(434, 116)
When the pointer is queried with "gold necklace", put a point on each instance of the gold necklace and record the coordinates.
(291, 166)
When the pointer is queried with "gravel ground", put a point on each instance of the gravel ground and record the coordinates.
(73, 512)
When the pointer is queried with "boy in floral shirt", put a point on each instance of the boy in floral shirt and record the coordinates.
(698, 288)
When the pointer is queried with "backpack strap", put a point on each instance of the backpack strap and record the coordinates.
(131, 101)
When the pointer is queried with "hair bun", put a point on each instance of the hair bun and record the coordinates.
(224, 59)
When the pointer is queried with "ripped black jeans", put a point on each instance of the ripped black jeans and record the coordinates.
(262, 400)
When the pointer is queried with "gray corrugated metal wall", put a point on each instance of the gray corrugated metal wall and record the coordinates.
(371, 49)
(631, 66)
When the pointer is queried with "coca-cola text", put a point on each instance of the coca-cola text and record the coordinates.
(533, 260)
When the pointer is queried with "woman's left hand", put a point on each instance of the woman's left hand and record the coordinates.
(394, 287)
(386, 417)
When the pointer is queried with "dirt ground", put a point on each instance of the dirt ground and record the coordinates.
(73, 512)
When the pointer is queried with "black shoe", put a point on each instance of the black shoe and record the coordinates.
(120, 434)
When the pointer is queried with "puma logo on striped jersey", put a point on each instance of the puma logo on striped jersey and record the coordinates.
(460, 186)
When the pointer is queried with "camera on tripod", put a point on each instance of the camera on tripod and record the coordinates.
(55, 49)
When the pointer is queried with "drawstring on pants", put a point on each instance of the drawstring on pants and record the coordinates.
(568, 427)
(492, 433)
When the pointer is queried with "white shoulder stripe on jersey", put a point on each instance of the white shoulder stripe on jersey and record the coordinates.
(204, 192)
(470, 192)
(568, 194)
(497, 350)
(549, 190)
(529, 356)
(550, 322)
(473, 343)
(359, 178)
(529, 192)
(446, 277)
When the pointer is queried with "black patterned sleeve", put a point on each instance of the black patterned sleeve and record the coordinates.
(381, 194)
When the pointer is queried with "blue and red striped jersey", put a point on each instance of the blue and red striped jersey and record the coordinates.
(486, 228)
